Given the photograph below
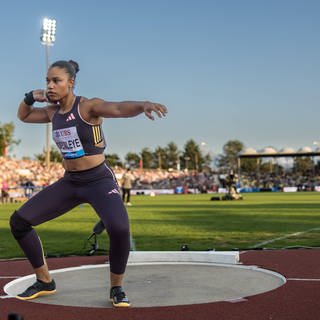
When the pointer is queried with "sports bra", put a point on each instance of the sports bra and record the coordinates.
(76, 137)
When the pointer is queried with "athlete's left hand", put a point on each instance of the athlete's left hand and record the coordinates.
(159, 109)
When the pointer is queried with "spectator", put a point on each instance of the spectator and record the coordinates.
(4, 192)
(127, 180)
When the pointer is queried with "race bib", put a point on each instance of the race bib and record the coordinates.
(68, 141)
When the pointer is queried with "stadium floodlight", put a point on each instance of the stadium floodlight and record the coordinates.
(48, 33)
(48, 37)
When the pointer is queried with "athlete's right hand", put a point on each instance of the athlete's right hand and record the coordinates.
(39, 95)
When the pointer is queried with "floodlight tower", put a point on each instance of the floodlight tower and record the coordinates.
(48, 38)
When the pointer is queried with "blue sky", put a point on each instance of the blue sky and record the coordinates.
(233, 69)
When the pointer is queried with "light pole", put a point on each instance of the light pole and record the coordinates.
(159, 159)
(187, 158)
(47, 39)
(201, 154)
(178, 161)
(196, 161)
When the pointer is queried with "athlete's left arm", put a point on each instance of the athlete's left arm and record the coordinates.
(125, 109)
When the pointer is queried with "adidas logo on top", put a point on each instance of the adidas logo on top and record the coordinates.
(71, 117)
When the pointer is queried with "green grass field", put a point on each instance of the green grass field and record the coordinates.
(269, 220)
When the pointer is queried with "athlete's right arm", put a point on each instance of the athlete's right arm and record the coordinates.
(31, 114)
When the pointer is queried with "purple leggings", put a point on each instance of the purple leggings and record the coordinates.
(99, 188)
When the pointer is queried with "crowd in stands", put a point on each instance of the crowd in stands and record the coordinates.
(16, 171)
(276, 182)
(169, 179)
(19, 178)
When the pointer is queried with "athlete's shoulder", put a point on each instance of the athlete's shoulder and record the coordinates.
(90, 101)
(85, 109)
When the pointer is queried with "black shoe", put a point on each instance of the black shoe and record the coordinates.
(39, 288)
(118, 297)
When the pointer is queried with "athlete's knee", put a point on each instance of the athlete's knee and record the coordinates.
(19, 226)
(119, 231)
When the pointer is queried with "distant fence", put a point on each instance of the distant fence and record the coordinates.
(21, 193)
(18, 194)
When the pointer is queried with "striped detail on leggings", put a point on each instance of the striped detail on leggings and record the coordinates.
(112, 173)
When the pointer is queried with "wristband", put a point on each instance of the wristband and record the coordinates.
(29, 99)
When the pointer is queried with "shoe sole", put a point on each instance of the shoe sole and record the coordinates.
(121, 304)
(38, 294)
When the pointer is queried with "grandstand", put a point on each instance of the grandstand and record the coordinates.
(272, 181)
(25, 177)
(285, 152)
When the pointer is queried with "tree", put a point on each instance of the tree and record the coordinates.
(303, 166)
(206, 163)
(266, 167)
(6, 137)
(147, 159)
(229, 159)
(160, 158)
(55, 155)
(278, 169)
(191, 156)
(113, 160)
(317, 168)
(172, 154)
(249, 165)
(132, 159)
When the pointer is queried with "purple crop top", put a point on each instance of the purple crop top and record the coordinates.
(76, 137)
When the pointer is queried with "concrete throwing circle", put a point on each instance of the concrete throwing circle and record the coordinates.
(155, 284)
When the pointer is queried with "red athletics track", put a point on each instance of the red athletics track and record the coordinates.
(298, 299)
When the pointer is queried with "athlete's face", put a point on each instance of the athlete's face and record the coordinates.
(59, 84)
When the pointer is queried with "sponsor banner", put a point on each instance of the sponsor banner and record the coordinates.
(290, 189)
(152, 191)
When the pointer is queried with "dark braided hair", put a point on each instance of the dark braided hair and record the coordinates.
(71, 67)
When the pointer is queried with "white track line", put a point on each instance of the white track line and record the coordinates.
(302, 279)
(284, 237)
